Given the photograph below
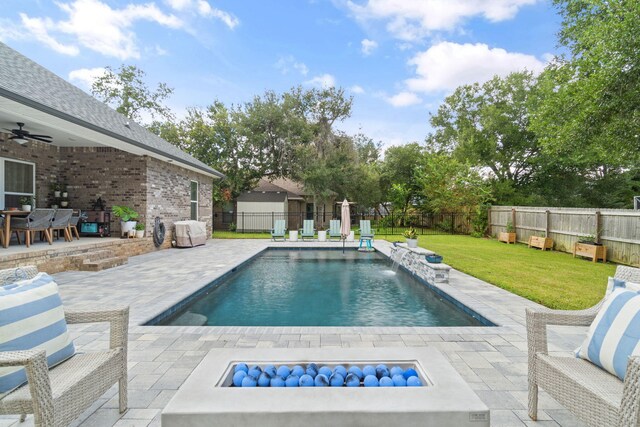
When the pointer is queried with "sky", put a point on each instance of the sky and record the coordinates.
(399, 59)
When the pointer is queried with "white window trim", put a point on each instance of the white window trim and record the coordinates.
(196, 200)
(3, 193)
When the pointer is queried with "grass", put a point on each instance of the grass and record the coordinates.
(553, 279)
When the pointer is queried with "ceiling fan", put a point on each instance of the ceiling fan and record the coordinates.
(22, 136)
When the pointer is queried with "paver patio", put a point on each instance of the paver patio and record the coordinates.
(493, 360)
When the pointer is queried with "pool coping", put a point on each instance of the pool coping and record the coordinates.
(154, 321)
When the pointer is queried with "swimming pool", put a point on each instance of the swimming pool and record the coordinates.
(319, 288)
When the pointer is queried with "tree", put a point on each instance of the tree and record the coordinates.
(126, 91)
(488, 126)
(398, 175)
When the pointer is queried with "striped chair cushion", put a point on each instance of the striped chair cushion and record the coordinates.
(614, 334)
(31, 317)
(614, 283)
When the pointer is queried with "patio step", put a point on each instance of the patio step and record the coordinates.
(103, 264)
(98, 260)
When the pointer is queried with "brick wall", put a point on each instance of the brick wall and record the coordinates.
(169, 195)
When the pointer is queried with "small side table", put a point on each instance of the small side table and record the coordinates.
(367, 241)
(322, 235)
(293, 235)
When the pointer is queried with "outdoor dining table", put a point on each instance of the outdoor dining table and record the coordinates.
(7, 223)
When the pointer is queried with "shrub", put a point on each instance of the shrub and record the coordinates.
(125, 213)
(232, 226)
(410, 233)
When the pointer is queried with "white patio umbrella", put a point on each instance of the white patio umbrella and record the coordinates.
(345, 226)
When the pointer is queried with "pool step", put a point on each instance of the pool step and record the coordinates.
(98, 260)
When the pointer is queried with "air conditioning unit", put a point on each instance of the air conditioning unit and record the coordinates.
(636, 203)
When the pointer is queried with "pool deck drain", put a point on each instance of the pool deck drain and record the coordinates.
(491, 360)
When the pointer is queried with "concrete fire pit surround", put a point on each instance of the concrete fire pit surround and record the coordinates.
(205, 399)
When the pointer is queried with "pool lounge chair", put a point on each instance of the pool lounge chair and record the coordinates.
(279, 230)
(365, 229)
(334, 229)
(307, 230)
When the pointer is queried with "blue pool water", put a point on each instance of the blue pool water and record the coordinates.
(321, 288)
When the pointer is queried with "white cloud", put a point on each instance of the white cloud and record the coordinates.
(204, 9)
(404, 99)
(286, 63)
(324, 80)
(368, 46)
(85, 77)
(413, 20)
(37, 28)
(356, 89)
(446, 65)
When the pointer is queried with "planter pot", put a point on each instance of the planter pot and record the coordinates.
(351, 237)
(139, 234)
(507, 237)
(54, 206)
(412, 243)
(56, 194)
(322, 235)
(26, 208)
(126, 227)
(293, 235)
(65, 194)
(434, 259)
(64, 204)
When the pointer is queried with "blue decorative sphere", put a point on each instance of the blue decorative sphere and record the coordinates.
(325, 370)
(306, 381)
(337, 380)
(413, 382)
(249, 381)
(264, 380)
(382, 371)
(352, 380)
(368, 370)
(396, 370)
(277, 381)
(356, 371)
(321, 380)
(340, 370)
(241, 367)
(297, 370)
(370, 381)
(312, 370)
(255, 373)
(238, 377)
(399, 381)
(386, 382)
(283, 372)
(292, 381)
(256, 367)
(410, 373)
(271, 370)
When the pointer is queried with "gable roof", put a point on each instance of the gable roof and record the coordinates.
(267, 196)
(294, 190)
(28, 83)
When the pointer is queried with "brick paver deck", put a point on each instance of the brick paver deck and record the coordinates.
(493, 360)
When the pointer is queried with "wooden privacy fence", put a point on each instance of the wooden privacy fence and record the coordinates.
(618, 229)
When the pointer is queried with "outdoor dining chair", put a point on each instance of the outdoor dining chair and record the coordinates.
(60, 222)
(37, 220)
(73, 224)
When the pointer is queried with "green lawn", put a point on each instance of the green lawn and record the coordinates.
(553, 279)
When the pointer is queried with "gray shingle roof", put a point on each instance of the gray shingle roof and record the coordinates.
(268, 196)
(28, 83)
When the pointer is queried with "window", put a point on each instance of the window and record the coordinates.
(194, 200)
(18, 179)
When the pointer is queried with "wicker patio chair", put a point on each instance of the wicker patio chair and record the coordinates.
(60, 222)
(59, 395)
(37, 220)
(592, 394)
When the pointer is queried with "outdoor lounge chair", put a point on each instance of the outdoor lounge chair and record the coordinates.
(307, 230)
(279, 230)
(334, 229)
(365, 229)
(59, 395)
(38, 220)
(60, 222)
(594, 395)
(73, 224)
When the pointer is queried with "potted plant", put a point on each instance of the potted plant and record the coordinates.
(64, 202)
(139, 230)
(126, 215)
(26, 202)
(590, 247)
(55, 187)
(63, 189)
(412, 237)
(508, 236)
(590, 239)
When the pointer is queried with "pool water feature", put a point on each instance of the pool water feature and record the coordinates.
(321, 288)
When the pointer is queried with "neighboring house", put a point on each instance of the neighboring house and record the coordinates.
(281, 198)
(95, 152)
